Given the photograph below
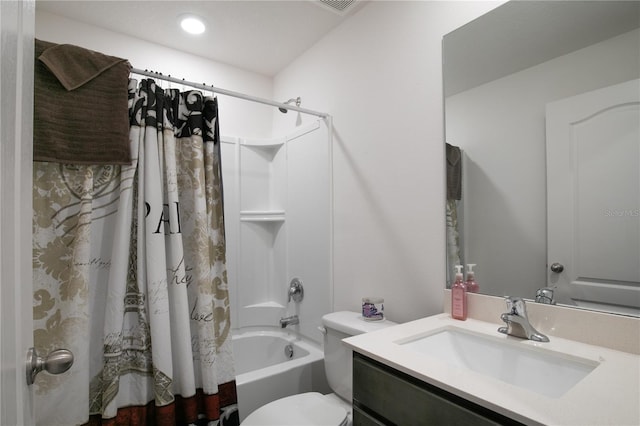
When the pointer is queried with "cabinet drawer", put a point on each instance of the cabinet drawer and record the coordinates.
(360, 418)
(395, 398)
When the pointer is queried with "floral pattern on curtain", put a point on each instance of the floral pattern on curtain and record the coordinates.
(453, 238)
(454, 197)
(129, 274)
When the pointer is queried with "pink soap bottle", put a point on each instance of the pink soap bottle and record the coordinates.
(472, 285)
(459, 296)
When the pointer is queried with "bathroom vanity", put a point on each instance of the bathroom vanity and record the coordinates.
(383, 395)
(437, 370)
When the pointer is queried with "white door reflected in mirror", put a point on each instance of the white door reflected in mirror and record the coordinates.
(593, 195)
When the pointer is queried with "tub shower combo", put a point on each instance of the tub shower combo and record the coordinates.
(277, 225)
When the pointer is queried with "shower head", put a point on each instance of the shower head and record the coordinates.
(297, 100)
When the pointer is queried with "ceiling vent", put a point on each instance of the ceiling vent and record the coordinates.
(338, 6)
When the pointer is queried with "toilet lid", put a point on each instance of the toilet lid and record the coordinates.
(311, 408)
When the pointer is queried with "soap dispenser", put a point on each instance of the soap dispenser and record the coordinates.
(472, 285)
(459, 296)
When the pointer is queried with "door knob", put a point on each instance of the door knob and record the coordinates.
(556, 267)
(57, 362)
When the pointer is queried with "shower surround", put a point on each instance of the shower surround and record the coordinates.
(277, 196)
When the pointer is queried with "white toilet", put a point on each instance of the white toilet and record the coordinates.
(313, 408)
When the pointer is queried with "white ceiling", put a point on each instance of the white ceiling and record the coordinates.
(260, 36)
(521, 34)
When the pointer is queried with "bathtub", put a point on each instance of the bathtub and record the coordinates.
(272, 364)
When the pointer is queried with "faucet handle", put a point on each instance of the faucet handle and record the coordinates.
(516, 306)
(296, 291)
(510, 301)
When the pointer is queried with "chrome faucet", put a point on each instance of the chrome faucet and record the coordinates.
(292, 320)
(518, 323)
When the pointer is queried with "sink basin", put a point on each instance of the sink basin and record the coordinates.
(548, 373)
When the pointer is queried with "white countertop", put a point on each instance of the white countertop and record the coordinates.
(609, 395)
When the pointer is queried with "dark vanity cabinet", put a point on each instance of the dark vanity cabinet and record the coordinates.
(385, 396)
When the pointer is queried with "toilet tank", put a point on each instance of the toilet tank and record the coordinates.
(337, 356)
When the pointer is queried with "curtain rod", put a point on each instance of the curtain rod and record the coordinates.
(226, 92)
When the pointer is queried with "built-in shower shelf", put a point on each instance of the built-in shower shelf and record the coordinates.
(263, 143)
(266, 305)
(262, 216)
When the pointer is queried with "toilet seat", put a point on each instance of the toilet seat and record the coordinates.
(305, 409)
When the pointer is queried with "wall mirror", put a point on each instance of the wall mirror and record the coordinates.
(541, 121)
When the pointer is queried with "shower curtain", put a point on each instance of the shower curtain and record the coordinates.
(453, 239)
(454, 195)
(129, 274)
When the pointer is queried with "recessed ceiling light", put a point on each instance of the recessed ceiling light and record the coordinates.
(192, 24)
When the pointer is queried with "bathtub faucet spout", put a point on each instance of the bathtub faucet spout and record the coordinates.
(292, 320)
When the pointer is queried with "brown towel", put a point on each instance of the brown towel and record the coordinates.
(454, 172)
(81, 112)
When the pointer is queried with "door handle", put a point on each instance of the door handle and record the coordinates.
(57, 362)
(556, 267)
